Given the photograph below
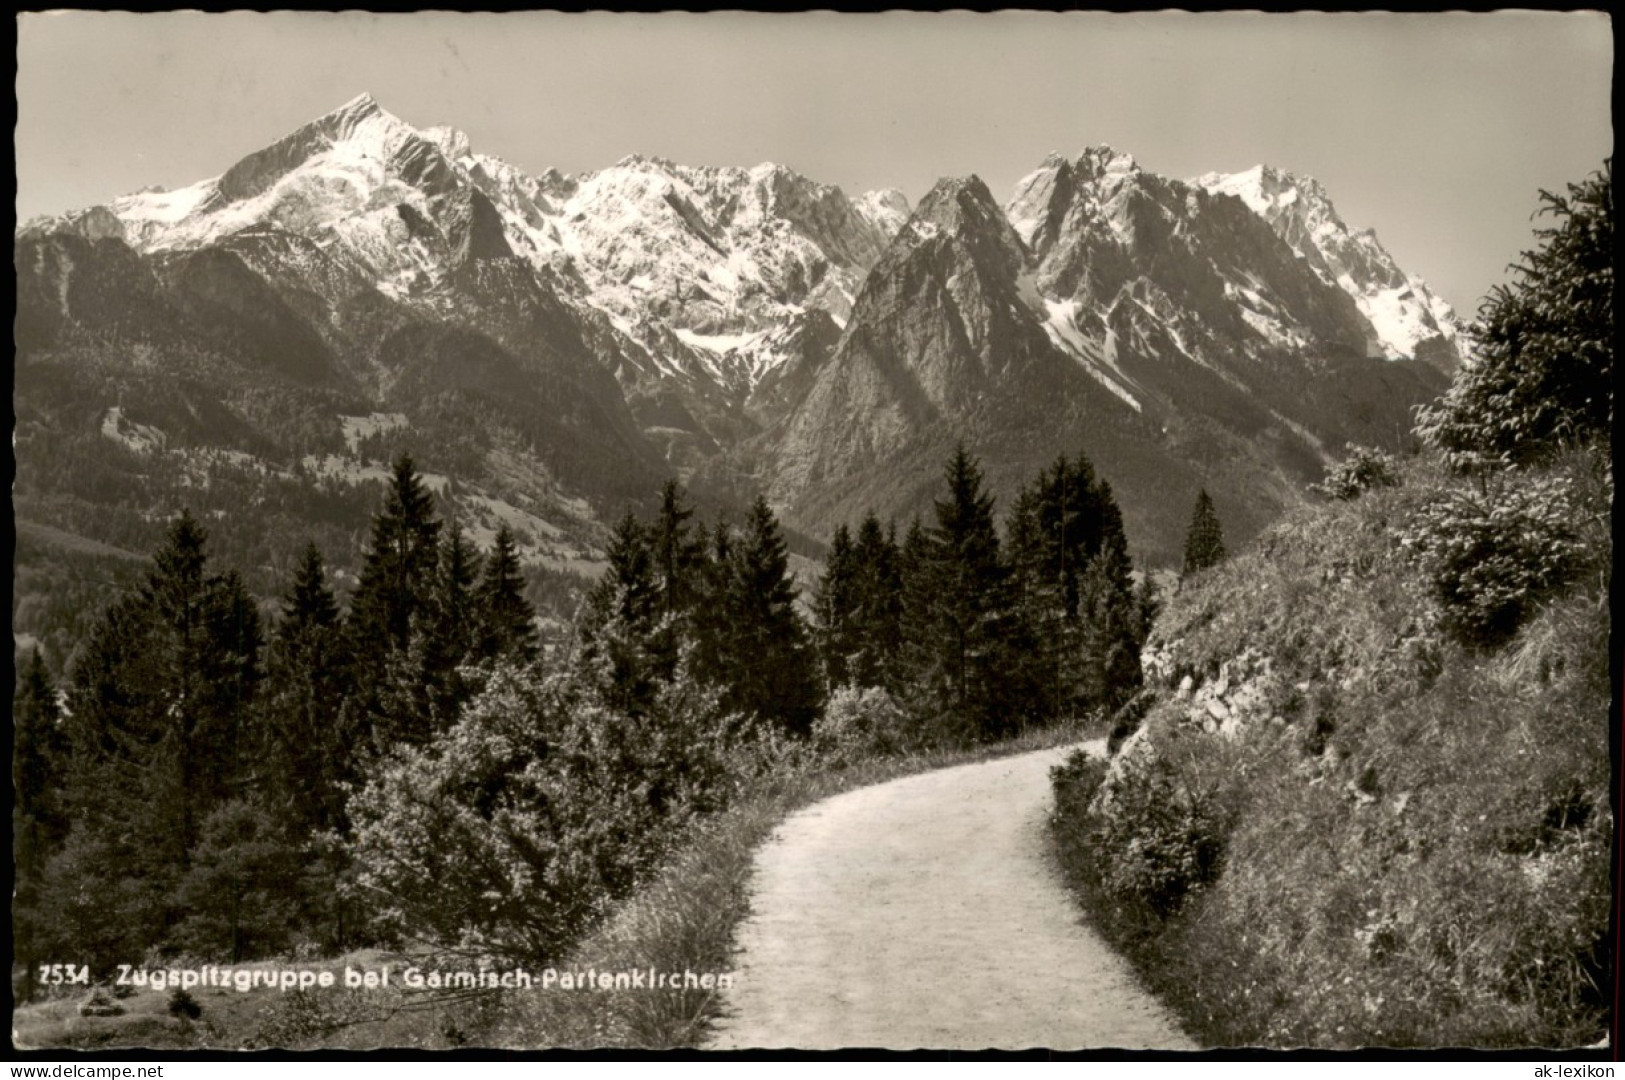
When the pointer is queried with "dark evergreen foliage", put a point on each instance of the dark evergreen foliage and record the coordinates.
(621, 618)
(1204, 542)
(768, 666)
(395, 594)
(678, 553)
(39, 819)
(877, 608)
(965, 609)
(835, 608)
(505, 621)
(1543, 378)
(306, 753)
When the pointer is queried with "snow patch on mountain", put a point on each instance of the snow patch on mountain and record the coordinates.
(886, 210)
(1061, 324)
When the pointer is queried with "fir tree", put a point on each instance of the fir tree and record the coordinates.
(506, 621)
(877, 607)
(1544, 373)
(972, 612)
(627, 598)
(307, 756)
(1204, 542)
(713, 632)
(835, 608)
(1112, 621)
(389, 704)
(39, 820)
(449, 625)
(203, 644)
(39, 764)
(768, 669)
(397, 577)
(678, 554)
(1054, 532)
(159, 700)
(919, 598)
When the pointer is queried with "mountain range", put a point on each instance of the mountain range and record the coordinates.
(549, 347)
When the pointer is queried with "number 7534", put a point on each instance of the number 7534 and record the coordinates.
(64, 974)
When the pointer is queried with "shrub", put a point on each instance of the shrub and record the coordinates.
(1128, 718)
(514, 829)
(859, 723)
(184, 1005)
(1495, 555)
(1364, 468)
(1162, 840)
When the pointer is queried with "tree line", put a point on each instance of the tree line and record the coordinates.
(212, 785)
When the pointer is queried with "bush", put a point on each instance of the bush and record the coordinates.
(513, 830)
(1161, 836)
(1128, 718)
(1364, 468)
(183, 1004)
(859, 723)
(1495, 555)
(1076, 782)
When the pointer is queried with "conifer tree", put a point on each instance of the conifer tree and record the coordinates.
(39, 820)
(625, 601)
(877, 607)
(397, 576)
(1545, 343)
(1054, 532)
(677, 550)
(768, 669)
(1112, 621)
(203, 645)
(159, 701)
(972, 613)
(835, 610)
(307, 756)
(448, 625)
(678, 554)
(919, 595)
(506, 621)
(1204, 542)
(713, 632)
(389, 702)
(39, 763)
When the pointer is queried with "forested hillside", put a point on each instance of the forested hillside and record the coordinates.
(416, 767)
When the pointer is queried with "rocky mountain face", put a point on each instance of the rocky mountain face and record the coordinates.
(1171, 333)
(1407, 318)
(550, 346)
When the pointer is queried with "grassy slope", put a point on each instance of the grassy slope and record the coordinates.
(1416, 837)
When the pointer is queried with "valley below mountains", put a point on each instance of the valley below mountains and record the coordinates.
(258, 346)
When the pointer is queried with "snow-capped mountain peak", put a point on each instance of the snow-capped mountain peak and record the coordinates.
(886, 209)
(1408, 319)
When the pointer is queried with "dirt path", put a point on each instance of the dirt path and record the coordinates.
(925, 912)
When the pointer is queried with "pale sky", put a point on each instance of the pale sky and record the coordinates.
(1436, 130)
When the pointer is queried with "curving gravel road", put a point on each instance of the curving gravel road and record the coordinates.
(926, 913)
